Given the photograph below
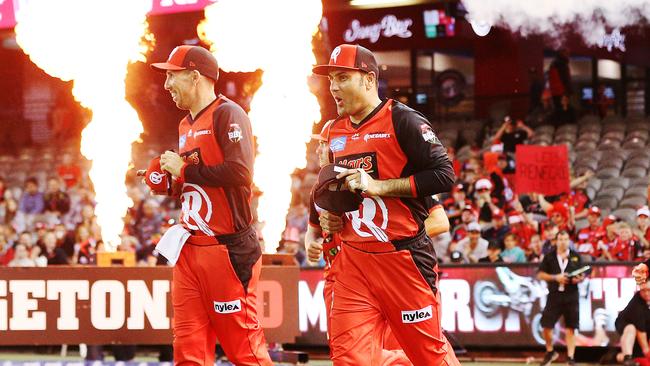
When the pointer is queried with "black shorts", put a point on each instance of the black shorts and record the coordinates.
(561, 305)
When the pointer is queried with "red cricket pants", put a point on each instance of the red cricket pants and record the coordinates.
(211, 303)
(391, 352)
(376, 285)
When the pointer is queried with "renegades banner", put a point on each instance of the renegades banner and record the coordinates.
(542, 169)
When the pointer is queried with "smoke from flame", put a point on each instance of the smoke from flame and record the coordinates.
(92, 43)
(592, 19)
(245, 36)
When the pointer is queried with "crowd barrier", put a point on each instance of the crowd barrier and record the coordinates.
(482, 305)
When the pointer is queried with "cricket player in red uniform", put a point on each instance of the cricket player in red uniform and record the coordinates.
(215, 278)
(386, 270)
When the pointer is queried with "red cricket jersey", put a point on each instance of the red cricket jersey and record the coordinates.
(218, 150)
(394, 141)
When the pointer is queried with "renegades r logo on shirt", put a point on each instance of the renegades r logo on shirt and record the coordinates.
(234, 133)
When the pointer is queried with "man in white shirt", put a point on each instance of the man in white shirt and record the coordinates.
(473, 247)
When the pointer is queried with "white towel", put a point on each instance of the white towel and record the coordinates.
(172, 242)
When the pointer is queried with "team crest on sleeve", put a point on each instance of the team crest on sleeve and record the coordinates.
(234, 133)
(428, 135)
(338, 144)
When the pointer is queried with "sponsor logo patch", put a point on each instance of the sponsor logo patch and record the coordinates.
(367, 162)
(234, 133)
(416, 316)
(202, 132)
(378, 135)
(227, 307)
(355, 136)
(338, 144)
(181, 141)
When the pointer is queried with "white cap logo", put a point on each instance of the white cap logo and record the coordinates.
(336, 53)
(155, 177)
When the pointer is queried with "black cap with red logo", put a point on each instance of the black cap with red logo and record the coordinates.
(190, 58)
(350, 57)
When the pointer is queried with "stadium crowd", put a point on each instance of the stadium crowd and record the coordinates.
(50, 220)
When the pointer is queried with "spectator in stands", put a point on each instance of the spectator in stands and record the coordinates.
(566, 114)
(511, 134)
(493, 254)
(483, 200)
(499, 229)
(84, 247)
(559, 78)
(150, 222)
(455, 204)
(535, 204)
(579, 199)
(56, 200)
(512, 252)
(534, 250)
(590, 243)
(467, 216)
(69, 171)
(473, 247)
(31, 203)
(21, 257)
(562, 216)
(6, 250)
(522, 226)
(626, 247)
(632, 325)
(501, 192)
(549, 235)
(642, 228)
(10, 209)
(53, 254)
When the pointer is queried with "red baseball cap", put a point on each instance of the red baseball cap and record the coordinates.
(158, 180)
(190, 58)
(350, 57)
(594, 210)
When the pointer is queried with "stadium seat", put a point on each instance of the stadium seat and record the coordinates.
(639, 161)
(611, 162)
(606, 202)
(634, 172)
(633, 202)
(616, 182)
(616, 192)
(637, 191)
(627, 214)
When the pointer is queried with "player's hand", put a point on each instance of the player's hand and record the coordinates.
(314, 250)
(359, 180)
(172, 163)
(330, 223)
(562, 278)
(577, 279)
(640, 273)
